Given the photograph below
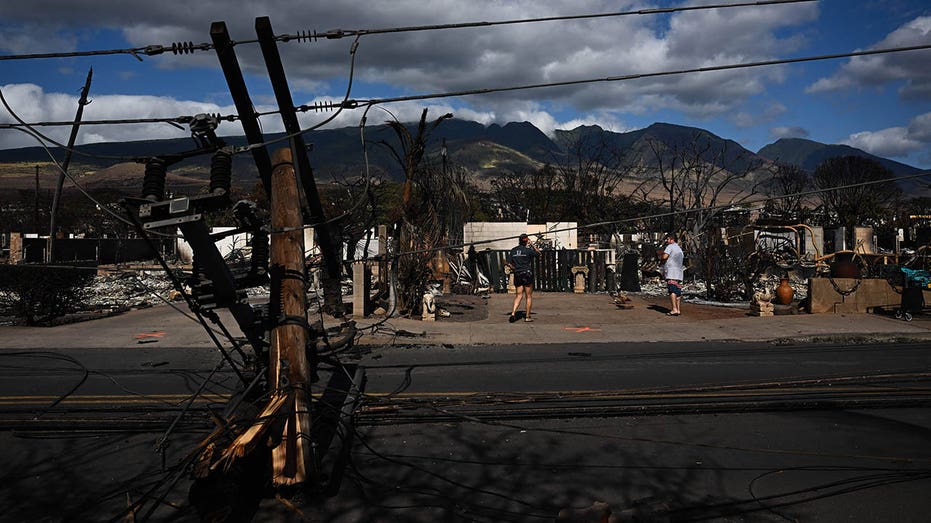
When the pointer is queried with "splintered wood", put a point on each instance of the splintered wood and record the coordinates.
(255, 434)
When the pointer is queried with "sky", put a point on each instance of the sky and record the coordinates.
(879, 103)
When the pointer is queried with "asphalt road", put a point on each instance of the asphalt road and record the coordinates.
(683, 432)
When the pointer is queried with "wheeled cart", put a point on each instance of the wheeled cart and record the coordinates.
(913, 297)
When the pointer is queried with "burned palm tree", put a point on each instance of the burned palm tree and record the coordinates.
(417, 222)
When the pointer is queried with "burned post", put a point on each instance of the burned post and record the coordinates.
(56, 202)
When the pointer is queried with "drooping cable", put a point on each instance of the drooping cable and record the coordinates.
(184, 48)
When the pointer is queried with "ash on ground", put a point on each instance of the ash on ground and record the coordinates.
(128, 290)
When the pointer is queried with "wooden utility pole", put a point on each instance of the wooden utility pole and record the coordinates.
(56, 201)
(327, 238)
(35, 217)
(226, 53)
(289, 371)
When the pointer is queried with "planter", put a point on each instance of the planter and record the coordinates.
(784, 292)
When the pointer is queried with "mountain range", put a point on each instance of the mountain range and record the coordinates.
(484, 151)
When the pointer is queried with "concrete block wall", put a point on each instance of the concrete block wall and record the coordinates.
(564, 235)
(870, 293)
(503, 235)
(492, 235)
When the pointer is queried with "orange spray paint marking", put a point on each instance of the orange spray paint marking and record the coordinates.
(154, 334)
(581, 329)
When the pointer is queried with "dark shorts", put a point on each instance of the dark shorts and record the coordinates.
(674, 287)
(523, 279)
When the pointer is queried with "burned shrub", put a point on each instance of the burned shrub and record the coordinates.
(37, 295)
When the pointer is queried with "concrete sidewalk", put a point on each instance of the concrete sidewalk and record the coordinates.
(570, 318)
(558, 318)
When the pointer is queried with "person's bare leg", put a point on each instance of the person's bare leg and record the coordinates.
(529, 290)
(678, 302)
(673, 306)
(517, 298)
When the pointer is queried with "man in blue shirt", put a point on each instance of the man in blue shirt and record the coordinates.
(673, 272)
(520, 259)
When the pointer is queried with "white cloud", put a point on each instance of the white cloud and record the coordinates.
(744, 119)
(920, 128)
(909, 68)
(895, 141)
(465, 59)
(607, 122)
(32, 104)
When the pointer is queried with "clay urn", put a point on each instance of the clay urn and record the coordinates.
(784, 292)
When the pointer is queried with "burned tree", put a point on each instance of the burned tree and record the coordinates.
(584, 185)
(856, 191)
(696, 182)
(521, 195)
(417, 222)
(784, 187)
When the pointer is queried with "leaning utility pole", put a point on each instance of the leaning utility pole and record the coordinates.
(226, 54)
(329, 248)
(35, 217)
(289, 372)
(56, 201)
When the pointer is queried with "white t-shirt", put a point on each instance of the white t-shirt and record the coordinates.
(673, 267)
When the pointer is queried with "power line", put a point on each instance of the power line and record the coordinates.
(176, 48)
(342, 33)
(102, 206)
(356, 103)
(349, 104)
(181, 120)
(638, 76)
(183, 48)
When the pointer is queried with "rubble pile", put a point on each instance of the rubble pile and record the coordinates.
(127, 289)
(696, 291)
(769, 282)
(657, 287)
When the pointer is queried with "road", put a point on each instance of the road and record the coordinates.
(722, 432)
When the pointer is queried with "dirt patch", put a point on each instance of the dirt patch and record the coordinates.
(660, 304)
(462, 307)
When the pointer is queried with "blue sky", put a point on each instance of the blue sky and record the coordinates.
(881, 104)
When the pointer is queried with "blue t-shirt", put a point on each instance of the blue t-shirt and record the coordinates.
(521, 257)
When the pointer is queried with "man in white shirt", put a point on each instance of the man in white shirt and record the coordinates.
(673, 272)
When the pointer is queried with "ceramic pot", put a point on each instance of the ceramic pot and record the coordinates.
(784, 292)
